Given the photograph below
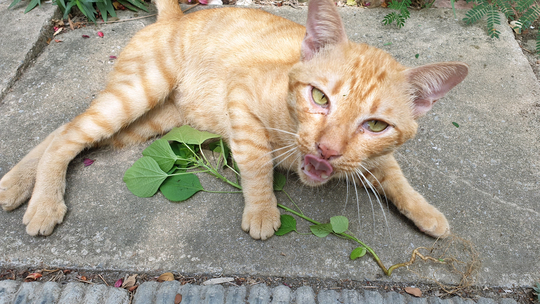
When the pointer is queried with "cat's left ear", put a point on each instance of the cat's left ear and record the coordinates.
(323, 27)
(431, 82)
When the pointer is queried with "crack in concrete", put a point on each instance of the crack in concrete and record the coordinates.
(34, 52)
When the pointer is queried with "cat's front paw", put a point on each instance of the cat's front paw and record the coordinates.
(261, 222)
(43, 215)
(433, 223)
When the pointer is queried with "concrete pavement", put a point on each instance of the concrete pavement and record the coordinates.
(484, 175)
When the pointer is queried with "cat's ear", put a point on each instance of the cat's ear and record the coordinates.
(324, 27)
(431, 82)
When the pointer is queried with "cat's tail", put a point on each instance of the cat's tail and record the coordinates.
(168, 10)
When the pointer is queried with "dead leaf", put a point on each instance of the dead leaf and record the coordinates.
(33, 276)
(130, 281)
(83, 278)
(413, 291)
(85, 36)
(217, 281)
(58, 31)
(57, 40)
(49, 40)
(118, 283)
(178, 298)
(132, 288)
(87, 162)
(167, 276)
(71, 24)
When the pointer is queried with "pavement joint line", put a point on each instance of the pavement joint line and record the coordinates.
(37, 48)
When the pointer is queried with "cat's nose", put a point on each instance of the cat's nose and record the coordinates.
(327, 153)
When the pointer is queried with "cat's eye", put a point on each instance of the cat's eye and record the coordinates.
(376, 125)
(319, 97)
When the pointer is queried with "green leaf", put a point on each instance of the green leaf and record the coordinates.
(139, 4)
(279, 181)
(161, 152)
(188, 135)
(14, 3)
(288, 224)
(358, 252)
(416, 56)
(321, 230)
(351, 2)
(181, 187)
(31, 5)
(455, 124)
(144, 177)
(339, 224)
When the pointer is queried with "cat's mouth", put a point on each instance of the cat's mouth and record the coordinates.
(316, 168)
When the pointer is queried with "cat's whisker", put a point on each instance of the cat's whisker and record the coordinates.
(357, 202)
(289, 152)
(369, 197)
(347, 193)
(377, 196)
(283, 131)
(378, 182)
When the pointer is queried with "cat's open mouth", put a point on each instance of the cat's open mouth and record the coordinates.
(317, 169)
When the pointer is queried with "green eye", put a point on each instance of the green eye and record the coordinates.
(319, 97)
(376, 125)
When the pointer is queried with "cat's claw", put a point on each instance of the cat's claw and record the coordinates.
(261, 222)
(41, 218)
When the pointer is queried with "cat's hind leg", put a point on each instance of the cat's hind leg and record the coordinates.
(128, 96)
(16, 186)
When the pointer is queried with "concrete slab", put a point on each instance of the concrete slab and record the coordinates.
(22, 39)
(484, 175)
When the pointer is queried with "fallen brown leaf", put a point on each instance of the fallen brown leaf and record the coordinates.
(167, 276)
(130, 282)
(413, 291)
(33, 276)
(132, 288)
(178, 298)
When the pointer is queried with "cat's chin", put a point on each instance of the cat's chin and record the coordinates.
(315, 171)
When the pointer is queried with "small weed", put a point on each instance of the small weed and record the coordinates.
(105, 7)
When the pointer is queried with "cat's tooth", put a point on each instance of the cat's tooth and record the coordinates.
(324, 176)
(308, 167)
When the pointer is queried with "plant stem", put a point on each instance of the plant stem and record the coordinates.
(221, 191)
(388, 272)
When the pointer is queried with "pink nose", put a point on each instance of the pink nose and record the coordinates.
(327, 153)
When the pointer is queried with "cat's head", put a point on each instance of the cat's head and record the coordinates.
(352, 102)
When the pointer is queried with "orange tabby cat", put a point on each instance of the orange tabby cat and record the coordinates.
(303, 98)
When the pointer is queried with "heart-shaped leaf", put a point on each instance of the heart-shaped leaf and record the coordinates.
(181, 187)
(144, 177)
(358, 252)
(161, 152)
(340, 224)
(321, 230)
(288, 224)
(279, 181)
(188, 135)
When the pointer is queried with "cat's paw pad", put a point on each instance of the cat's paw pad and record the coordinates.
(435, 224)
(261, 222)
(42, 218)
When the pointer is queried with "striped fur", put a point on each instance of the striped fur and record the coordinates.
(255, 89)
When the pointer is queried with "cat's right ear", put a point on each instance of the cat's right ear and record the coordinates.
(323, 27)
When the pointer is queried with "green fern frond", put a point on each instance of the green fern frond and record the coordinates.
(531, 15)
(505, 7)
(399, 17)
(476, 13)
(493, 18)
(523, 5)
